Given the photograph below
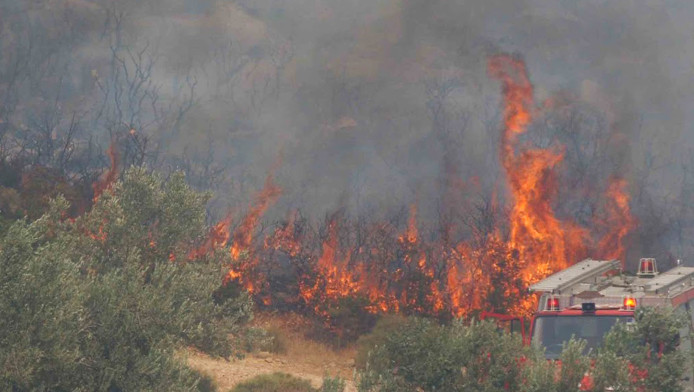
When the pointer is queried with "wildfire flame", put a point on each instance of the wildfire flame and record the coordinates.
(619, 220)
(106, 180)
(397, 270)
(284, 238)
(544, 243)
(400, 272)
(243, 238)
(217, 238)
(243, 235)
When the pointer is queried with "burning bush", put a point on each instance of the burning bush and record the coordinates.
(344, 320)
(472, 260)
(447, 272)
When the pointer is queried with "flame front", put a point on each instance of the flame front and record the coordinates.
(397, 271)
(245, 271)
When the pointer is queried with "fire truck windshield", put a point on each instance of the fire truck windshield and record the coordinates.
(551, 332)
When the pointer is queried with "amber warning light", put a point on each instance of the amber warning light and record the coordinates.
(629, 303)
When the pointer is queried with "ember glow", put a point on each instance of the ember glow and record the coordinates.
(395, 270)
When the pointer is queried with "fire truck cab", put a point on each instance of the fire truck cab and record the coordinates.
(587, 299)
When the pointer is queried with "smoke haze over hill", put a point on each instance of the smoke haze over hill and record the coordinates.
(367, 106)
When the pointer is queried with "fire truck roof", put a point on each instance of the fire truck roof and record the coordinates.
(579, 312)
(578, 273)
(602, 282)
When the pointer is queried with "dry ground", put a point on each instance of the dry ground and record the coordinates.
(303, 358)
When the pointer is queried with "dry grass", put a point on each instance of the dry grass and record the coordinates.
(302, 358)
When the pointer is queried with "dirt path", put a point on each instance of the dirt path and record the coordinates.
(303, 358)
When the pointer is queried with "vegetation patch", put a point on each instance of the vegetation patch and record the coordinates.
(385, 326)
(103, 301)
(271, 339)
(423, 355)
(275, 382)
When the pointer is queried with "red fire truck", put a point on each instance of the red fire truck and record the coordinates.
(587, 299)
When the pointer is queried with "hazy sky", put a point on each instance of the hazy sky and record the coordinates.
(374, 104)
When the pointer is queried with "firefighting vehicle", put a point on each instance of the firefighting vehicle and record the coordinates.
(587, 299)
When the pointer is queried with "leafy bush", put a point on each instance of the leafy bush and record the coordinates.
(422, 355)
(344, 320)
(102, 302)
(385, 326)
(650, 348)
(275, 382)
(332, 384)
(283, 382)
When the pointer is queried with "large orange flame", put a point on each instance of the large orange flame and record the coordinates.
(543, 242)
(399, 271)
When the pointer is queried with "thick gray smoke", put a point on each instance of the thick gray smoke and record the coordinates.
(367, 105)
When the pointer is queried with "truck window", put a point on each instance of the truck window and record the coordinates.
(551, 332)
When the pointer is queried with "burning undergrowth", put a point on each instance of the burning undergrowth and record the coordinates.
(344, 272)
(347, 268)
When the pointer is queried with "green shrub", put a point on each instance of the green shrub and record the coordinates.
(423, 355)
(331, 384)
(574, 365)
(283, 382)
(275, 382)
(103, 302)
(385, 326)
(651, 345)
